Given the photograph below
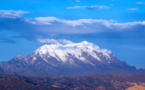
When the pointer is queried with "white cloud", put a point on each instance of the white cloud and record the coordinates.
(64, 41)
(96, 7)
(75, 7)
(43, 20)
(81, 22)
(12, 13)
(89, 7)
(82, 26)
(47, 40)
(143, 3)
(32, 28)
(54, 41)
(133, 9)
(77, 0)
(41, 27)
(74, 23)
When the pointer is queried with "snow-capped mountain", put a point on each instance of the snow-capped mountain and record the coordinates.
(63, 52)
(70, 59)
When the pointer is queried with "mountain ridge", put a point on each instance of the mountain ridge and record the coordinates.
(60, 51)
(67, 60)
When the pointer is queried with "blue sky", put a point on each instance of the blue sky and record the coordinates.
(117, 25)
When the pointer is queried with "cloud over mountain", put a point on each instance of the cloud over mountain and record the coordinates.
(47, 40)
(42, 27)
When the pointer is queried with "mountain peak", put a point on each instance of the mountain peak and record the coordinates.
(61, 52)
(82, 58)
(85, 42)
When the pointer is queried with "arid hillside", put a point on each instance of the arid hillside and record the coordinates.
(95, 82)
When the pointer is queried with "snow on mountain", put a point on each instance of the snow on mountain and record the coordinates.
(67, 60)
(61, 52)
